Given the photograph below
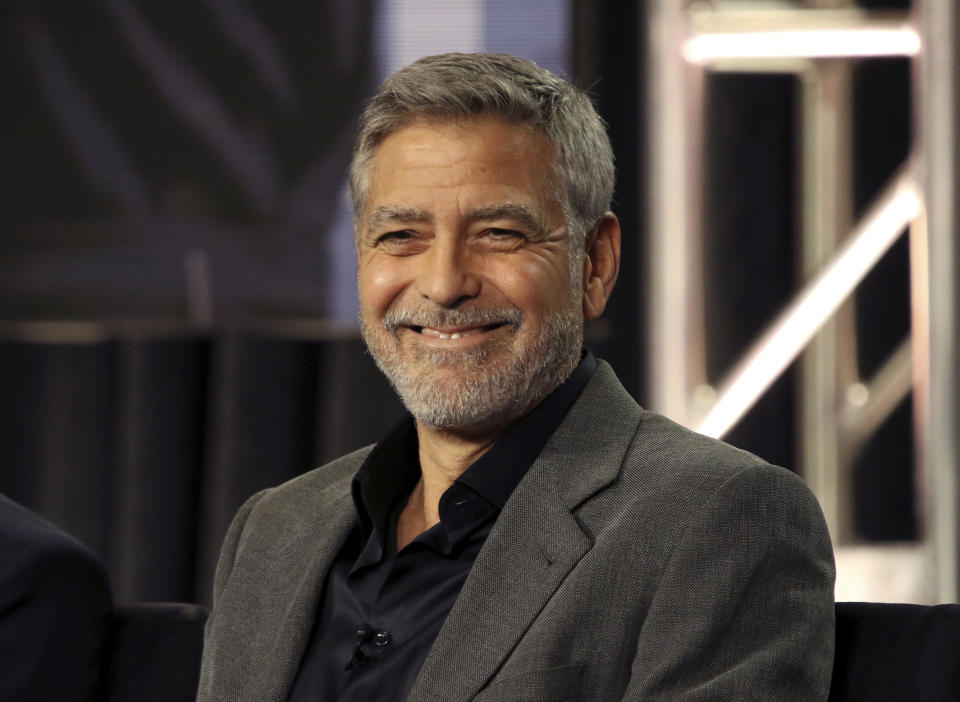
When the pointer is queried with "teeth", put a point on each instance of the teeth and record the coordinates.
(449, 335)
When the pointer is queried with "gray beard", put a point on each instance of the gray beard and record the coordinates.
(486, 388)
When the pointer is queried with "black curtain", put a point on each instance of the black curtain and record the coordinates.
(143, 446)
(609, 60)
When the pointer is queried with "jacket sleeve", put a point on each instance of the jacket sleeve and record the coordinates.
(744, 607)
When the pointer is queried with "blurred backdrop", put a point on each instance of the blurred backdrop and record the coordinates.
(177, 303)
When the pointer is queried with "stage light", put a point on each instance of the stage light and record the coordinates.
(800, 44)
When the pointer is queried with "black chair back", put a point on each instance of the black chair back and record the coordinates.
(897, 652)
(155, 653)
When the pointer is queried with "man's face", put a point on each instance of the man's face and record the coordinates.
(467, 298)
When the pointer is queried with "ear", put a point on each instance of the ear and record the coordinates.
(601, 264)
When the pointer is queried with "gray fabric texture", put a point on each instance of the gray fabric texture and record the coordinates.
(636, 560)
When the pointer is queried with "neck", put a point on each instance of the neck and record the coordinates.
(444, 456)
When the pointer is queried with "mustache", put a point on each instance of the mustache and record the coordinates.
(474, 317)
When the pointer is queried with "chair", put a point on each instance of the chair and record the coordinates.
(154, 653)
(897, 652)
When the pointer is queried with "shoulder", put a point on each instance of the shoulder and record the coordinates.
(656, 452)
(683, 454)
(314, 487)
(693, 496)
(686, 469)
(56, 605)
(292, 506)
(671, 476)
(39, 558)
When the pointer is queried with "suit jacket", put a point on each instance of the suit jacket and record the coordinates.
(55, 610)
(635, 560)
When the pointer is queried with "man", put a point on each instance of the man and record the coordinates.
(531, 533)
(55, 610)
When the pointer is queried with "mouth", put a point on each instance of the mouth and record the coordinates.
(444, 333)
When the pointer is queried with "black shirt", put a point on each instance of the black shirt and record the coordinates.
(381, 610)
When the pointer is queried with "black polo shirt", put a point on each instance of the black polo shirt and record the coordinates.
(381, 610)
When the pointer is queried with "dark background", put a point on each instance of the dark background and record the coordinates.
(186, 242)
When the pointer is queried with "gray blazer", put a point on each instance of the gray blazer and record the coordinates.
(636, 560)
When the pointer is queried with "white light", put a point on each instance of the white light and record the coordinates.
(798, 44)
(777, 348)
(857, 395)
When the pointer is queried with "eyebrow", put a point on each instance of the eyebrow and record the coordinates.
(518, 213)
(397, 215)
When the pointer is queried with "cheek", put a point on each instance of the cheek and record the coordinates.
(379, 284)
(535, 286)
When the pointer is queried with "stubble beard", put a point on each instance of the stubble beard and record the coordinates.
(496, 381)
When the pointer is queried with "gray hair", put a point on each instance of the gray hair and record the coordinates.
(463, 86)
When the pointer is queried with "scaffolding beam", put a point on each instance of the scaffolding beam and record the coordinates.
(689, 40)
(935, 267)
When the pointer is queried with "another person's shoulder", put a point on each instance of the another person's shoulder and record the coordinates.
(56, 609)
(42, 556)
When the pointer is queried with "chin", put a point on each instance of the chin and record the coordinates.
(444, 407)
(456, 399)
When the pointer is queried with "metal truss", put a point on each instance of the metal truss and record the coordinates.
(838, 410)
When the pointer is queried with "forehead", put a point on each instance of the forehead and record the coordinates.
(426, 160)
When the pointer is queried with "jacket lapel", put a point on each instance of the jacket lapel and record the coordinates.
(534, 544)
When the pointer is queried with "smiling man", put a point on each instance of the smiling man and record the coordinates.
(528, 532)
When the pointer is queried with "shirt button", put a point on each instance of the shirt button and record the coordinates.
(382, 638)
(364, 633)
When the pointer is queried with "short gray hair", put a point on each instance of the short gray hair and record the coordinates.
(463, 86)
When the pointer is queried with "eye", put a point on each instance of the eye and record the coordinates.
(502, 239)
(399, 243)
(392, 237)
(504, 233)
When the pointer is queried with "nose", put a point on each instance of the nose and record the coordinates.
(446, 276)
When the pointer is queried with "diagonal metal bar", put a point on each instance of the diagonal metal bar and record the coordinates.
(869, 405)
(896, 207)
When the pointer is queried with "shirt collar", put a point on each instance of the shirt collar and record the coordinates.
(389, 473)
(497, 473)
